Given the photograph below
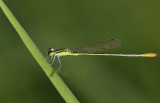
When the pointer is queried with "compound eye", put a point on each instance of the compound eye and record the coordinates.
(51, 49)
(49, 52)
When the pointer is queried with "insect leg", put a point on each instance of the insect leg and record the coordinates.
(59, 63)
(53, 59)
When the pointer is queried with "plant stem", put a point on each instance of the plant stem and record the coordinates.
(55, 79)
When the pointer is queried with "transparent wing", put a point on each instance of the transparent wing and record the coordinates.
(99, 47)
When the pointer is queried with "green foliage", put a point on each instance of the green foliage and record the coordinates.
(55, 79)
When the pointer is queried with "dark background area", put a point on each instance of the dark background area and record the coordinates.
(71, 23)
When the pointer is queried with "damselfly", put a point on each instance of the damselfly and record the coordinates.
(99, 48)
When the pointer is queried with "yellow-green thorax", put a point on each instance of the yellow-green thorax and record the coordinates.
(60, 52)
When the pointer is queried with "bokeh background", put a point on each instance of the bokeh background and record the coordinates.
(71, 23)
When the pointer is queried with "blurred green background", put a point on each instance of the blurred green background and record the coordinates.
(71, 23)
